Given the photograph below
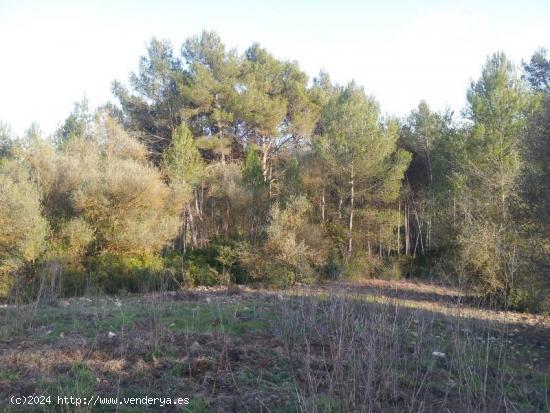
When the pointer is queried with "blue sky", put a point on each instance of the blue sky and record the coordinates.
(54, 52)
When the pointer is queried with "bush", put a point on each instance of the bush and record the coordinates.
(333, 269)
(361, 266)
(218, 263)
(105, 183)
(72, 240)
(23, 229)
(112, 274)
(395, 268)
(294, 245)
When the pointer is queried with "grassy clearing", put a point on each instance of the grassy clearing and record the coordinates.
(259, 351)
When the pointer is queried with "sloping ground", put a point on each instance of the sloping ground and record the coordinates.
(369, 346)
(434, 298)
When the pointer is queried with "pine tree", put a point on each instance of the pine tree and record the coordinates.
(358, 150)
(497, 108)
(184, 166)
(210, 92)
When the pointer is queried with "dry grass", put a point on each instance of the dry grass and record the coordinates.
(346, 348)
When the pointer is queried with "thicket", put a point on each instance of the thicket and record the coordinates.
(220, 167)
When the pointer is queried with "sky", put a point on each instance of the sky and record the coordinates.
(55, 52)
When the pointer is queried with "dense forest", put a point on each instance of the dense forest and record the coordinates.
(216, 166)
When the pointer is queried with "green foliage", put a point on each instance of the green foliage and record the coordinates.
(120, 274)
(23, 229)
(537, 71)
(201, 267)
(252, 171)
(215, 264)
(396, 268)
(362, 164)
(497, 106)
(74, 237)
(257, 188)
(210, 90)
(531, 212)
(154, 109)
(107, 183)
(227, 257)
(292, 185)
(6, 142)
(115, 274)
(182, 161)
(79, 123)
(293, 250)
(361, 266)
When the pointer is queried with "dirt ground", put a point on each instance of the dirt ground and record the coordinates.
(243, 349)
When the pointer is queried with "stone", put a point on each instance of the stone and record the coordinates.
(195, 346)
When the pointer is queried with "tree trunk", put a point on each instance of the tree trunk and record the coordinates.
(270, 178)
(380, 241)
(214, 222)
(419, 234)
(226, 223)
(183, 235)
(351, 201)
(220, 130)
(265, 150)
(199, 196)
(399, 229)
(407, 233)
(454, 211)
(192, 228)
(323, 205)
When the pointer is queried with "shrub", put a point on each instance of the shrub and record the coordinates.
(111, 273)
(293, 242)
(395, 268)
(215, 264)
(73, 238)
(23, 229)
(107, 184)
(362, 265)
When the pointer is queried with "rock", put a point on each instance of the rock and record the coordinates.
(200, 365)
(438, 354)
(110, 334)
(195, 346)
